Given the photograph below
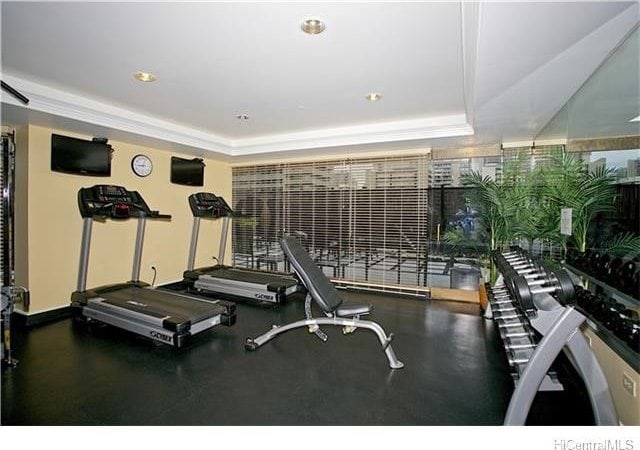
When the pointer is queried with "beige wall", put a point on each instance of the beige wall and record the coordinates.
(55, 226)
(615, 370)
(21, 202)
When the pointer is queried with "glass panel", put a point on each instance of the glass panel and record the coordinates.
(457, 245)
(625, 166)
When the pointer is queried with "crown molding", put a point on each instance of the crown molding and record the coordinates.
(49, 100)
(404, 130)
(60, 103)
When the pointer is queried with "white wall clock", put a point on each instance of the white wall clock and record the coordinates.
(141, 165)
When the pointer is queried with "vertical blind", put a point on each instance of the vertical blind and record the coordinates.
(362, 220)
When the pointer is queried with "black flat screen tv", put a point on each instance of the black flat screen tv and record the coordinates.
(188, 172)
(80, 157)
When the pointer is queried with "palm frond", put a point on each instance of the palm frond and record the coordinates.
(623, 244)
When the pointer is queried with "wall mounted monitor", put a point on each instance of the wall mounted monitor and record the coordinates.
(188, 172)
(80, 157)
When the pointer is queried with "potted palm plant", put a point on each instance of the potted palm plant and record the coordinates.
(567, 183)
(526, 205)
(504, 207)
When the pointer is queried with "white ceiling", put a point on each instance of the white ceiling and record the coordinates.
(451, 73)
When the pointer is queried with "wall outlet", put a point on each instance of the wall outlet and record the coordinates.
(629, 384)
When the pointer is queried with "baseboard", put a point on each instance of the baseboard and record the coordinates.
(20, 319)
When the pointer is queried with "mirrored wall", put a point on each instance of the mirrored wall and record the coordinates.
(607, 105)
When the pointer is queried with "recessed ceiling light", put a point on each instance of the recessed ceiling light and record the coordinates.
(374, 96)
(242, 117)
(145, 77)
(312, 26)
(635, 119)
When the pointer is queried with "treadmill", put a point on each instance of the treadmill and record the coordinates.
(170, 318)
(239, 284)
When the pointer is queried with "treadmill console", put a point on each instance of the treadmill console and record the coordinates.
(114, 202)
(206, 204)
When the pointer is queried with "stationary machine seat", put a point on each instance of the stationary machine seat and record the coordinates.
(321, 290)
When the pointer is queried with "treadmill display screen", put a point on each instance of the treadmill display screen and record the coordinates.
(115, 202)
(206, 204)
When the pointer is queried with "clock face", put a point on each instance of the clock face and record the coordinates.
(141, 165)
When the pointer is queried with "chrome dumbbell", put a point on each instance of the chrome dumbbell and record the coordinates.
(559, 285)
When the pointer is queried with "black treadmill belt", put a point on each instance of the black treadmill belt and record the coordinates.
(251, 276)
(156, 303)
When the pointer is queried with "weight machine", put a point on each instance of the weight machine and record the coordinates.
(10, 295)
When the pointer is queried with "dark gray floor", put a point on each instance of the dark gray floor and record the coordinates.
(455, 374)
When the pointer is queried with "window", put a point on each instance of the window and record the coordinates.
(386, 222)
(362, 220)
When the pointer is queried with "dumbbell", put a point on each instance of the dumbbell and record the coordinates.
(534, 278)
(509, 257)
(534, 272)
(500, 299)
(628, 277)
(592, 263)
(516, 331)
(583, 261)
(559, 285)
(601, 267)
(512, 260)
(502, 304)
(514, 251)
(517, 357)
(572, 256)
(528, 268)
(626, 330)
(612, 272)
(534, 275)
(531, 272)
(614, 318)
(601, 308)
(513, 327)
(621, 321)
(524, 268)
(634, 338)
(584, 299)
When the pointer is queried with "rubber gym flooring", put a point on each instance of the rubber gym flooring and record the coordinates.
(455, 373)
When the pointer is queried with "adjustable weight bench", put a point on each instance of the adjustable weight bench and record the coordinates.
(320, 289)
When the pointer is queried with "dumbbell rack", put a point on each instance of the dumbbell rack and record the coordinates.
(547, 314)
(517, 334)
(592, 296)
